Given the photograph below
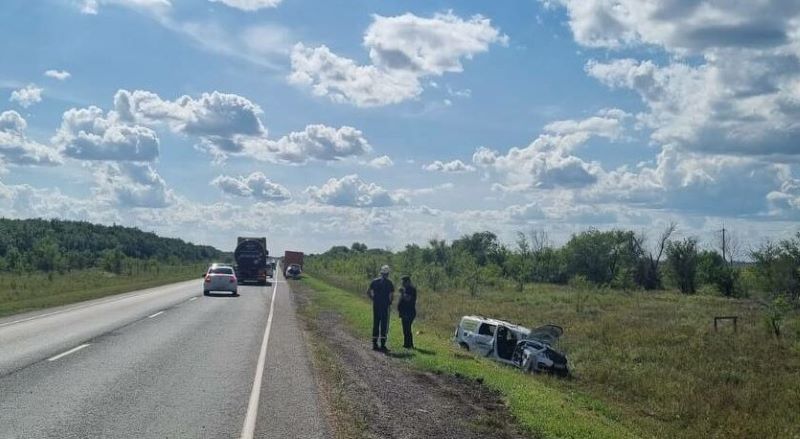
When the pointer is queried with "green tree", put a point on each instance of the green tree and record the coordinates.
(481, 246)
(358, 247)
(712, 269)
(778, 267)
(45, 254)
(112, 261)
(602, 257)
(682, 264)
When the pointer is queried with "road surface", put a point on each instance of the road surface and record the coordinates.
(165, 362)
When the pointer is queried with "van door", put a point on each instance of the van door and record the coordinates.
(505, 343)
(484, 339)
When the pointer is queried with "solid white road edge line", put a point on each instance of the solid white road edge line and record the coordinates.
(71, 351)
(249, 428)
(155, 315)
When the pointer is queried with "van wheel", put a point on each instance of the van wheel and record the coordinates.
(205, 293)
(464, 346)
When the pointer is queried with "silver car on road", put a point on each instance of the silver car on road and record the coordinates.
(220, 278)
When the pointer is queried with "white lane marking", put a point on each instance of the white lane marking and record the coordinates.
(193, 298)
(252, 407)
(71, 351)
(75, 308)
(155, 315)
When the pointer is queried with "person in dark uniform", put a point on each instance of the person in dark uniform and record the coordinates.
(407, 307)
(381, 291)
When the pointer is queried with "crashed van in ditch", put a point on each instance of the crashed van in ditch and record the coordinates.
(515, 345)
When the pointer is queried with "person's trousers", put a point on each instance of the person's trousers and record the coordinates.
(408, 336)
(380, 324)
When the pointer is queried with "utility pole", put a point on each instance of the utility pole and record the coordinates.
(723, 243)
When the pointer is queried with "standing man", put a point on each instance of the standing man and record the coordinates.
(407, 307)
(381, 291)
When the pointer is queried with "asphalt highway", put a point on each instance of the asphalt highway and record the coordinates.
(165, 362)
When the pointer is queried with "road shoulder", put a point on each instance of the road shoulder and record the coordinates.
(372, 395)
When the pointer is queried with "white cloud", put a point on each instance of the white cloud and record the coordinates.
(697, 183)
(223, 122)
(429, 46)
(732, 82)
(255, 185)
(27, 96)
(343, 81)
(737, 104)
(608, 125)
(403, 50)
(250, 5)
(258, 44)
(785, 201)
(89, 134)
(526, 212)
(548, 162)
(25, 201)
(454, 166)
(352, 191)
(681, 26)
(410, 193)
(463, 93)
(132, 185)
(60, 75)
(16, 148)
(381, 162)
(315, 142)
(92, 7)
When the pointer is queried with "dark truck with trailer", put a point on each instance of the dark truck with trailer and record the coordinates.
(252, 264)
(293, 264)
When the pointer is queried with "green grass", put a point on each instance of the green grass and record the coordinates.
(540, 408)
(20, 292)
(647, 364)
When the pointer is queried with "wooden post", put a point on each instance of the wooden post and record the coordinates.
(734, 319)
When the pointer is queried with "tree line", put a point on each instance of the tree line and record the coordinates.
(619, 259)
(55, 245)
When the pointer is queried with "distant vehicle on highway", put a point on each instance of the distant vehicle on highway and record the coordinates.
(252, 265)
(294, 271)
(220, 278)
(529, 350)
(293, 261)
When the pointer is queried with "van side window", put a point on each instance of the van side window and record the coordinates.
(486, 329)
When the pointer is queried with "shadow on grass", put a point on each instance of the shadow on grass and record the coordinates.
(410, 353)
(400, 354)
(425, 351)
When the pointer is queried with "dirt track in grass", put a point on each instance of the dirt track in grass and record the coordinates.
(389, 399)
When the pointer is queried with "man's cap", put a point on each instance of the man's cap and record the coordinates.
(405, 277)
(385, 269)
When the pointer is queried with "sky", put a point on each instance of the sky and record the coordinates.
(395, 122)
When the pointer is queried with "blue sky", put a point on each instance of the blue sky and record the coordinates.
(319, 123)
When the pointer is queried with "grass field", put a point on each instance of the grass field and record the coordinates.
(31, 291)
(645, 364)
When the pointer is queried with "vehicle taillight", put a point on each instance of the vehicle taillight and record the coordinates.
(208, 278)
(233, 279)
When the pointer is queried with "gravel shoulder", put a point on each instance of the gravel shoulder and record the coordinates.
(373, 395)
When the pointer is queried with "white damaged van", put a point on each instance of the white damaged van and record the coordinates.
(516, 345)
